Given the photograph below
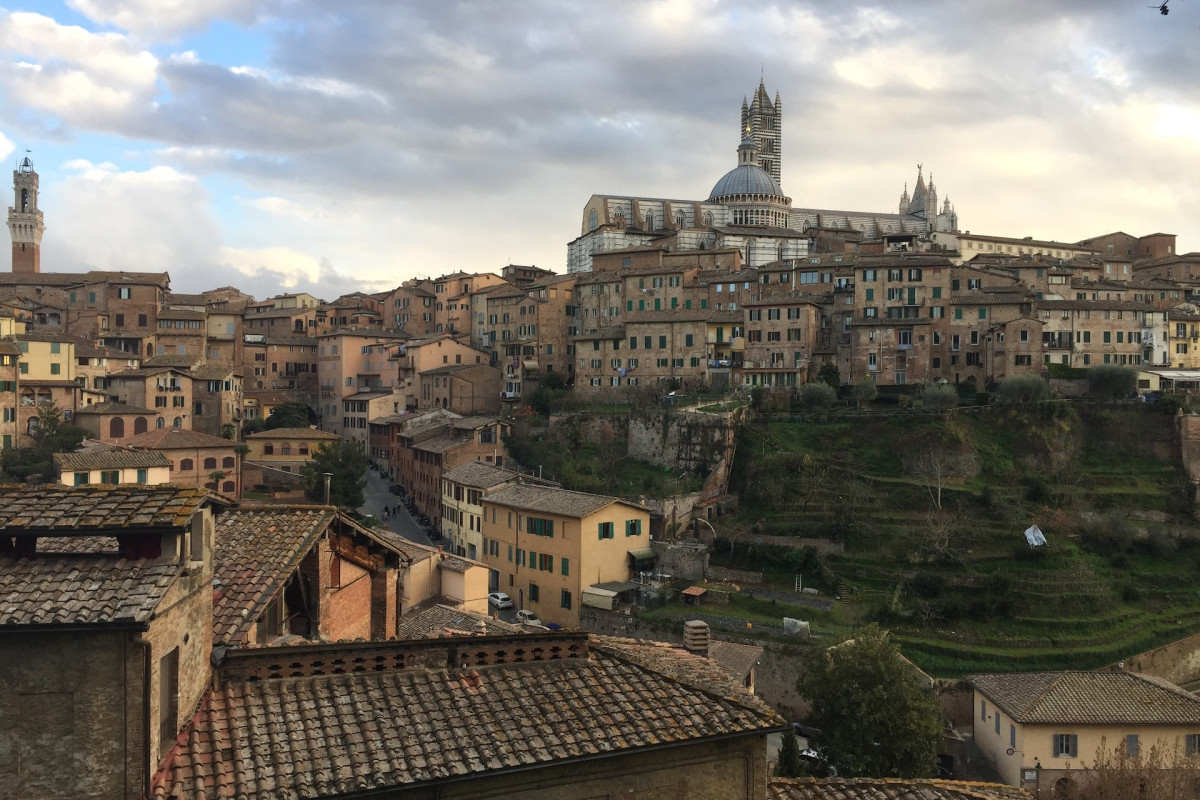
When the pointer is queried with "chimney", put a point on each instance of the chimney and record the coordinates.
(695, 636)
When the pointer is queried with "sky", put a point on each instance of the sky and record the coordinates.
(304, 145)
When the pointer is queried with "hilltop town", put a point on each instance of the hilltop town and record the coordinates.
(179, 619)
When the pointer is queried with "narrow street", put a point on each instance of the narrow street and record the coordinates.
(378, 496)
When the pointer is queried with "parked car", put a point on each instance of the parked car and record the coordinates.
(499, 600)
(528, 618)
(396, 489)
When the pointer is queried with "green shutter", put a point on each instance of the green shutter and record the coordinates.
(566, 566)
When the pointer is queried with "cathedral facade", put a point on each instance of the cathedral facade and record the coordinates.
(747, 209)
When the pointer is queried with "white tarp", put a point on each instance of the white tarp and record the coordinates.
(1034, 536)
(795, 627)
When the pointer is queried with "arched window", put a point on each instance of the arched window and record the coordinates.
(178, 423)
(679, 219)
(160, 423)
(34, 426)
(708, 218)
(116, 428)
(140, 425)
(149, 350)
(187, 465)
(593, 220)
(227, 487)
(210, 463)
(227, 462)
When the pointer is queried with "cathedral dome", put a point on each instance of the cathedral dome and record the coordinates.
(746, 179)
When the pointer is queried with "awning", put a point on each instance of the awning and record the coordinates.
(642, 556)
(530, 363)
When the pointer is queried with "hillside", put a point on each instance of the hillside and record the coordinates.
(949, 571)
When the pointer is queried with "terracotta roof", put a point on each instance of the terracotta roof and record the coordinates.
(257, 548)
(177, 361)
(438, 721)
(739, 659)
(110, 458)
(888, 789)
(114, 407)
(440, 444)
(293, 433)
(437, 620)
(550, 500)
(89, 509)
(81, 589)
(211, 372)
(482, 475)
(177, 438)
(1089, 698)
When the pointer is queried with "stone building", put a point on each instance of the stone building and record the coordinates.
(105, 634)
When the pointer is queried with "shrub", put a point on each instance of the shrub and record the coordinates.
(1111, 381)
(1022, 390)
(828, 374)
(939, 397)
(865, 391)
(816, 396)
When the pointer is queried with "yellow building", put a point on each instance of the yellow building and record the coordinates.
(1040, 729)
(546, 545)
(286, 449)
(113, 466)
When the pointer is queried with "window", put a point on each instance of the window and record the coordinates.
(533, 592)
(565, 601)
(1191, 744)
(1066, 745)
(81, 478)
(566, 565)
(605, 530)
(124, 292)
(141, 476)
(633, 527)
(1131, 744)
(187, 465)
(539, 527)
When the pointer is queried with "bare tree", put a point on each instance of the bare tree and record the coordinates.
(1161, 772)
(938, 466)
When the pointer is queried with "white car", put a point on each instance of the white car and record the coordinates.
(499, 600)
(528, 618)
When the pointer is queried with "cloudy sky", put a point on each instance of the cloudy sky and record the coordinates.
(330, 146)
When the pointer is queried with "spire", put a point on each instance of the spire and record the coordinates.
(904, 199)
(25, 223)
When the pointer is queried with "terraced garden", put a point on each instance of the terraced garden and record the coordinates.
(957, 585)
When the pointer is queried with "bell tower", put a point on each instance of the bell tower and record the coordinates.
(25, 224)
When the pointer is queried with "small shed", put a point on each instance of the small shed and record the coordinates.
(692, 595)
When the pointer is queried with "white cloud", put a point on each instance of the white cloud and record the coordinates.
(163, 17)
(81, 77)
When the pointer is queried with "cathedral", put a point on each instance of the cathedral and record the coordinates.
(747, 210)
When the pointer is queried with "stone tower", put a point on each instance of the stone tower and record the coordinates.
(25, 224)
(764, 122)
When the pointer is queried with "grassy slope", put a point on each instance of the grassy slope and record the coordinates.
(1105, 588)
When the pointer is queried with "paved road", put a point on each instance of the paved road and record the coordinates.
(378, 496)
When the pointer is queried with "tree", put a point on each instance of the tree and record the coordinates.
(55, 436)
(790, 765)
(1111, 381)
(346, 460)
(816, 397)
(938, 466)
(875, 718)
(828, 374)
(1022, 390)
(1161, 772)
(292, 414)
(865, 391)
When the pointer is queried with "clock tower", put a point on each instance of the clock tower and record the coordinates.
(25, 224)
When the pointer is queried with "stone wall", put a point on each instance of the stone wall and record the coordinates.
(1177, 662)
(687, 560)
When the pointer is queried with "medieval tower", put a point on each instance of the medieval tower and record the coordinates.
(25, 224)
(763, 120)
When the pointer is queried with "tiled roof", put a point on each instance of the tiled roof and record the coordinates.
(81, 589)
(437, 620)
(739, 659)
(177, 361)
(177, 438)
(257, 548)
(888, 789)
(550, 500)
(81, 509)
(214, 372)
(480, 475)
(113, 407)
(1089, 698)
(293, 433)
(110, 458)
(333, 734)
(440, 444)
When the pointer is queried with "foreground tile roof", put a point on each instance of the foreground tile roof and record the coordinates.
(68, 589)
(888, 789)
(257, 548)
(91, 509)
(1089, 698)
(306, 734)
